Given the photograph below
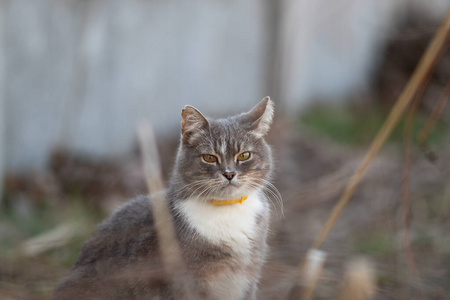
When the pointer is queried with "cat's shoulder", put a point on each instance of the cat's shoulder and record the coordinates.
(129, 227)
(122, 240)
(134, 212)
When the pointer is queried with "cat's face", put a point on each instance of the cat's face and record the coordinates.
(227, 158)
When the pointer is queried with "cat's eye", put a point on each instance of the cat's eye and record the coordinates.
(243, 156)
(209, 158)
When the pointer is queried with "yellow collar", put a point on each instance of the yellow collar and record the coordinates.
(224, 202)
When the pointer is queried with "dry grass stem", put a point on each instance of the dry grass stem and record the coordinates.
(319, 190)
(150, 157)
(415, 84)
(406, 190)
(170, 252)
(312, 270)
(431, 123)
(51, 239)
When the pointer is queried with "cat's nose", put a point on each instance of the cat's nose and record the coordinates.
(229, 175)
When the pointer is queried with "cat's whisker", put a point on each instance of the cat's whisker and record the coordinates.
(262, 188)
(267, 187)
(202, 185)
(192, 185)
(207, 190)
(272, 187)
(274, 200)
(277, 199)
(202, 191)
(211, 190)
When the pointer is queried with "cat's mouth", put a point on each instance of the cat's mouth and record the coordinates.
(233, 189)
(231, 184)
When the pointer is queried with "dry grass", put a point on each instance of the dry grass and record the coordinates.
(173, 264)
(413, 89)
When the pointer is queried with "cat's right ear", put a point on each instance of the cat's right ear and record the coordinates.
(193, 124)
(259, 118)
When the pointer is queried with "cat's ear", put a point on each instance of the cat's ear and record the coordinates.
(260, 117)
(194, 122)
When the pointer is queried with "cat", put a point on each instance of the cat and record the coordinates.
(220, 215)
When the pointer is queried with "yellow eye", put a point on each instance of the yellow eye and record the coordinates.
(243, 156)
(209, 158)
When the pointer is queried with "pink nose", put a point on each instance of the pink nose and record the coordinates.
(229, 175)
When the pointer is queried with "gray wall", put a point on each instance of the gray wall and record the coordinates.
(82, 73)
(2, 96)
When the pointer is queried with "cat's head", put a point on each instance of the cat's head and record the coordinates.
(227, 158)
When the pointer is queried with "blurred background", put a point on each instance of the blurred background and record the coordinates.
(77, 76)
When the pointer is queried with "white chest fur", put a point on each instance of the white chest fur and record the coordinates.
(233, 224)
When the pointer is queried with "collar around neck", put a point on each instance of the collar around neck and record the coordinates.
(225, 202)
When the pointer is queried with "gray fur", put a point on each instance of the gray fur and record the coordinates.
(121, 260)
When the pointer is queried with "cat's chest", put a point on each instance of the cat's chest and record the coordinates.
(235, 225)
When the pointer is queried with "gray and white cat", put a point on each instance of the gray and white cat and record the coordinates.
(220, 215)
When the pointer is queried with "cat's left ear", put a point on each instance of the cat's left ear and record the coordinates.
(260, 117)
(194, 123)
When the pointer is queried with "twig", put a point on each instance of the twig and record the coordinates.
(51, 239)
(406, 190)
(170, 252)
(318, 190)
(431, 123)
(420, 75)
(422, 72)
(150, 158)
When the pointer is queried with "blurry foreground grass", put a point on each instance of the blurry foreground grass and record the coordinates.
(35, 273)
